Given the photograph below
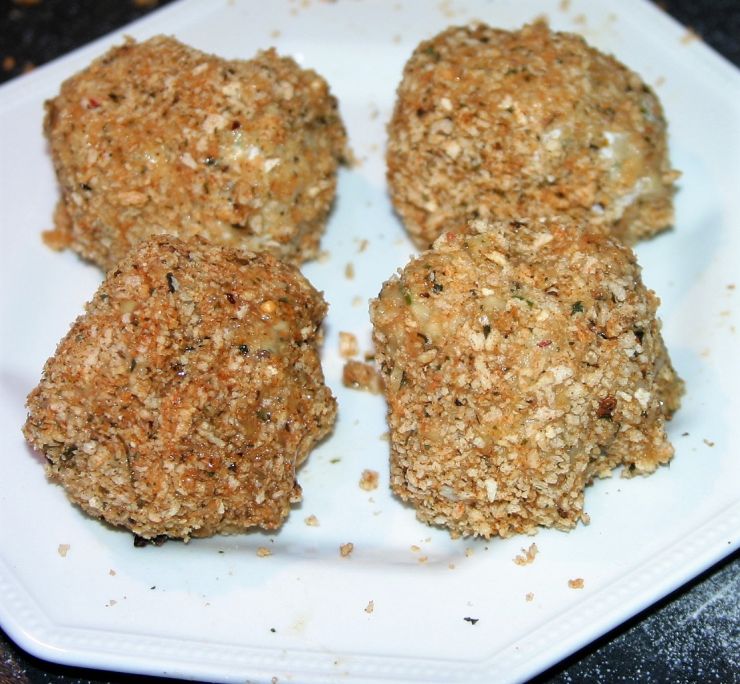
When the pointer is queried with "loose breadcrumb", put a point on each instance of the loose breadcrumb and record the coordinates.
(369, 480)
(529, 596)
(311, 521)
(370, 607)
(361, 376)
(349, 271)
(576, 583)
(263, 552)
(62, 550)
(527, 556)
(346, 549)
(348, 345)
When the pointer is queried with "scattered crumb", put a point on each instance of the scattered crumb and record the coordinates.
(62, 550)
(527, 556)
(55, 239)
(349, 271)
(112, 572)
(357, 301)
(580, 19)
(415, 548)
(348, 345)
(369, 480)
(689, 37)
(576, 583)
(529, 596)
(346, 549)
(731, 286)
(323, 256)
(451, 566)
(362, 376)
(564, 5)
(422, 559)
(145, 3)
(8, 63)
(369, 356)
(659, 81)
(312, 521)
(708, 442)
(585, 518)
(362, 245)
(385, 437)
(469, 552)
(263, 552)
(335, 460)
(370, 607)
(275, 33)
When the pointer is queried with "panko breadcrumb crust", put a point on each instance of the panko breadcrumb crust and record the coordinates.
(157, 137)
(520, 363)
(499, 124)
(183, 400)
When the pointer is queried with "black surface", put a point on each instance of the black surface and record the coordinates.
(693, 635)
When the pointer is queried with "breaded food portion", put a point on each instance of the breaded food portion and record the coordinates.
(157, 137)
(183, 400)
(498, 124)
(519, 364)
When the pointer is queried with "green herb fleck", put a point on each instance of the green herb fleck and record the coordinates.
(576, 308)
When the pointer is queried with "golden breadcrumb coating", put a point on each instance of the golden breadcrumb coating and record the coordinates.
(498, 124)
(183, 400)
(519, 364)
(157, 137)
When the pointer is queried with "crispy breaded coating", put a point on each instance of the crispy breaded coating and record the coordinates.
(519, 364)
(183, 400)
(498, 124)
(157, 137)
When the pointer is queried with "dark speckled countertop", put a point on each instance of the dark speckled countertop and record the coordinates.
(693, 635)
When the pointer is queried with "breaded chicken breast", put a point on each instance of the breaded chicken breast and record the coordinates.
(157, 137)
(519, 363)
(184, 398)
(498, 124)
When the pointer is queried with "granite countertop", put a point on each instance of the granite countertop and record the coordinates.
(693, 635)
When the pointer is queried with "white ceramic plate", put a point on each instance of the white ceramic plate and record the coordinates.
(213, 609)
